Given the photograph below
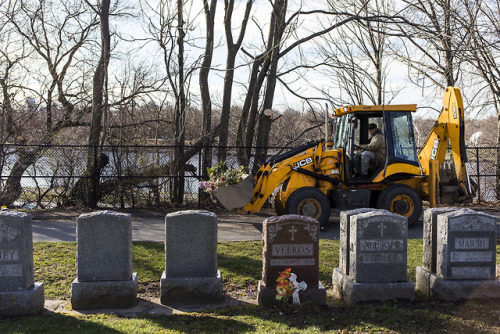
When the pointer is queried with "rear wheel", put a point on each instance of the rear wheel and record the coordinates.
(310, 202)
(402, 200)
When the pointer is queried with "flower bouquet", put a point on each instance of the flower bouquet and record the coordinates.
(221, 176)
(284, 287)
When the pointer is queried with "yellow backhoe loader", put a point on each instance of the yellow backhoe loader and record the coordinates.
(311, 179)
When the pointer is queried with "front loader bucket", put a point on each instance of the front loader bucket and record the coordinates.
(237, 195)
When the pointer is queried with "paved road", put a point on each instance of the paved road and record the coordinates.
(150, 226)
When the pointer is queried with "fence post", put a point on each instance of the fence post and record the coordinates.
(200, 172)
(478, 179)
(95, 180)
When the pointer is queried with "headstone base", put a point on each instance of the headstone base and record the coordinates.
(454, 290)
(267, 295)
(191, 290)
(104, 294)
(351, 292)
(24, 302)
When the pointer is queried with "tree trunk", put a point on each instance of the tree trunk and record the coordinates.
(243, 153)
(497, 167)
(180, 115)
(12, 188)
(232, 50)
(98, 105)
(204, 87)
(264, 127)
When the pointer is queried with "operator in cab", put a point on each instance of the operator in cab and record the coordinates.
(373, 153)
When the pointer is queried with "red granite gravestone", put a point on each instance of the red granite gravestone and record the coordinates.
(291, 241)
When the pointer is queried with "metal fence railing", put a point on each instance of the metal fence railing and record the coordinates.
(131, 176)
(142, 176)
(482, 165)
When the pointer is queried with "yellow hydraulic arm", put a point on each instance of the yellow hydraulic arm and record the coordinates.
(449, 128)
(272, 174)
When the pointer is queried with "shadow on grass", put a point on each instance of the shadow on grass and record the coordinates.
(370, 317)
(240, 266)
(53, 324)
(149, 260)
(201, 323)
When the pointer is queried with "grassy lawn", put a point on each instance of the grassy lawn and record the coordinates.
(240, 264)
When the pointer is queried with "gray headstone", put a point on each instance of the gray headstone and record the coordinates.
(191, 274)
(345, 236)
(466, 245)
(19, 294)
(378, 251)
(191, 244)
(430, 236)
(373, 258)
(16, 251)
(104, 247)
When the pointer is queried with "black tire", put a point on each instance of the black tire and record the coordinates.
(311, 202)
(276, 203)
(402, 200)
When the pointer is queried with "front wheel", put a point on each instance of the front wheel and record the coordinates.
(276, 202)
(402, 200)
(310, 202)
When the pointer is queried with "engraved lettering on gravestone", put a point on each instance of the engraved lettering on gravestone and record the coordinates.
(8, 270)
(292, 262)
(293, 230)
(375, 245)
(382, 228)
(471, 224)
(471, 256)
(9, 255)
(467, 272)
(292, 250)
(472, 243)
(381, 258)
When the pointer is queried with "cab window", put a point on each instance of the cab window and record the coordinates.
(341, 134)
(402, 136)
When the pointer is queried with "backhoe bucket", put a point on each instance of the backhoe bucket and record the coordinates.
(237, 195)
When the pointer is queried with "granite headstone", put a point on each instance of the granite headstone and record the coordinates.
(462, 265)
(191, 274)
(291, 241)
(466, 245)
(19, 294)
(104, 262)
(430, 236)
(345, 237)
(377, 260)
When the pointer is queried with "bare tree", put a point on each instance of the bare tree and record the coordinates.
(355, 55)
(96, 160)
(232, 50)
(431, 43)
(206, 102)
(266, 66)
(54, 35)
(168, 25)
(481, 28)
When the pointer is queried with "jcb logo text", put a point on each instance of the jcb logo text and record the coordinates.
(303, 162)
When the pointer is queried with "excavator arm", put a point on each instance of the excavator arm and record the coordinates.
(448, 129)
(250, 195)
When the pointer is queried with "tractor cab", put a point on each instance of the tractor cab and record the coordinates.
(351, 129)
